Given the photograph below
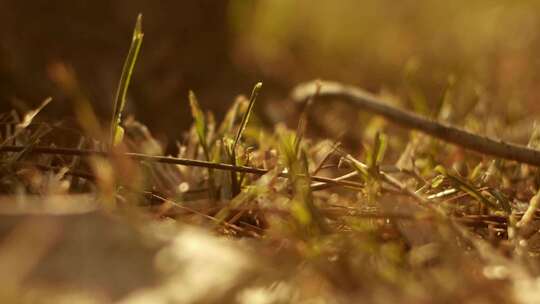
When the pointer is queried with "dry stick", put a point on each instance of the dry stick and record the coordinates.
(169, 160)
(182, 206)
(366, 101)
(321, 185)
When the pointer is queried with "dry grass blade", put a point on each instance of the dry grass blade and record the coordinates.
(468, 188)
(530, 213)
(28, 117)
(27, 120)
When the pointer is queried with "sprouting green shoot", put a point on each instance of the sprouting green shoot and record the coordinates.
(116, 134)
(245, 119)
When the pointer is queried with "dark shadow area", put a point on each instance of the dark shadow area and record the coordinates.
(186, 46)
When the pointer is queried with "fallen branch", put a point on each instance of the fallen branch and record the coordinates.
(366, 101)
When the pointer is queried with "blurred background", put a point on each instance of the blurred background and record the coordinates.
(412, 50)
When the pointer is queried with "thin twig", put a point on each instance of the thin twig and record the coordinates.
(366, 101)
(321, 185)
(169, 160)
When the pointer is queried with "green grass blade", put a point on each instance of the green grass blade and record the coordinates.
(245, 119)
(303, 121)
(231, 154)
(127, 71)
(201, 128)
(200, 121)
(231, 151)
(379, 150)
